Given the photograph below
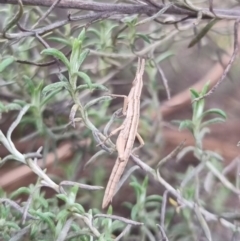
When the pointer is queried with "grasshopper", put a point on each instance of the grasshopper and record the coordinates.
(127, 133)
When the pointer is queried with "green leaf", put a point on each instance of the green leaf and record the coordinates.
(11, 225)
(78, 207)
(212, 121)
(176, 122)
(137, 188)
(34, 229)
(82, 35)
(186, 124)
(5, 63)
(205, 89)
(29, 84)
(145, 183)
(99, 99)
(198, 110)
(154, 198)
(57, 54)
(43, 202)
(19, 191)
(62, 197)
(130, 20)
(86, 79)
(128, 205)
(134, 212)
(215, 111)
(194, 93)
(62, 78)
(110, 28)
(83, 56)
(36, 95)
(75, 55)
(72, 195)
(150, 205)
(202, 33)
(107, 224)
(94, 86)
(110, 210)
(198, 106)
(9, 107)
(95, 31)
(45, 217)
(144, 37)
(203, 223)
(73, 113)
(164, 56)
(49, 97)
(54, 87)
(62, 215)
(7, 83)
(66, 42)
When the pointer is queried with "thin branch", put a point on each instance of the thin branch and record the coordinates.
(119, 218)
(15, 19)
(163, 209)
(125, 231)
(229, 65)
(164, 79)
(211, 6)
(51, 27)
(163, 234)
(153, 3)
(55, 3)
(21, 61)
(184, 202)
(131, 8)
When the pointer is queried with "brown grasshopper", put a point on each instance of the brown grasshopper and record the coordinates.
(127, 133)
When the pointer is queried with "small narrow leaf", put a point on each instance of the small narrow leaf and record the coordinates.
(5, 63)
(74, 58)
(194, 93)
(46, 217)
(79, 208)
(186, 124)
(198, 109)
(82, 35)
(57, 54)
(20, 191)
(99, 99)
(9, 107)
(205, 89)
(202, 33)
(94, 31)
(94, 86)
(86, 79)
(83, 56)
(54, 87)
(144, 37)
(154, 198)
(209, 182)
(66, 42)
(50, 96)
(215, 111)
(212, 121)
(63, 78)
(164, 56)
(63, 197)
(203, 223)
(145, 183)
(72, 114)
